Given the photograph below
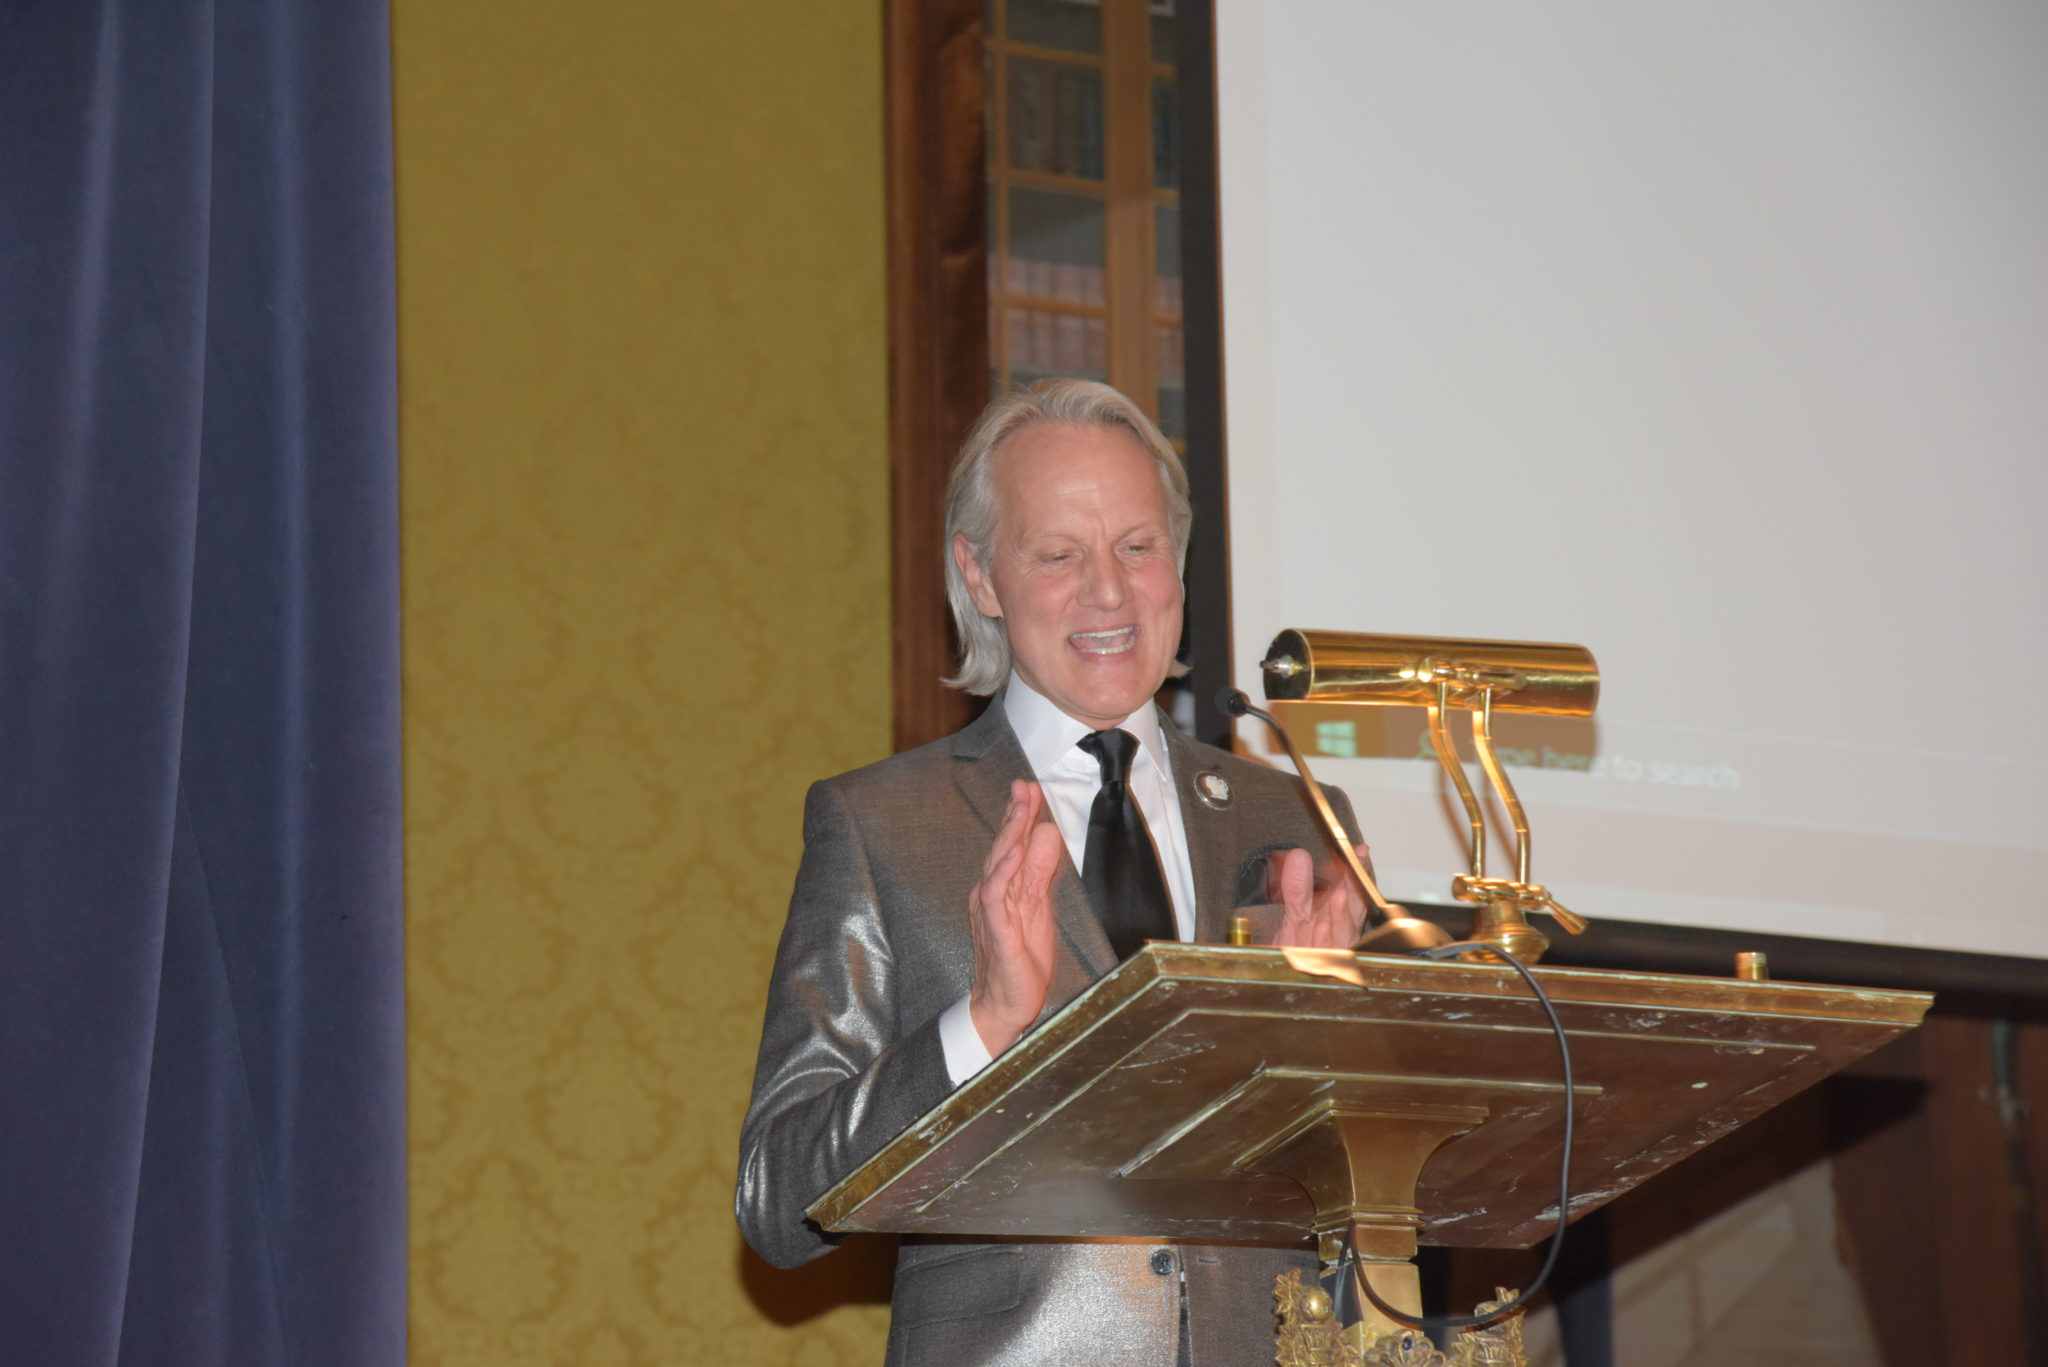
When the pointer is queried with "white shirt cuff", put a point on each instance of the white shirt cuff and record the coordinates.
(966, 1055)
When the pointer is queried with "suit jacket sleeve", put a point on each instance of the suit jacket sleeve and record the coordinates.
(839, 1074)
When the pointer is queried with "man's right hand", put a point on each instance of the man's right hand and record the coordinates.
(1010, 914)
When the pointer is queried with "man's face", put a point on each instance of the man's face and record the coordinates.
(1083, 571)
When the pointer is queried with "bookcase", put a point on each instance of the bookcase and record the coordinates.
(1083, 198)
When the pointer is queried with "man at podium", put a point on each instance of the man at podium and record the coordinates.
(952, 896)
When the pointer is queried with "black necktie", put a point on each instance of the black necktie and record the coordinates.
(1119, 867)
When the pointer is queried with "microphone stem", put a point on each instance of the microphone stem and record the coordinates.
(1388, 910)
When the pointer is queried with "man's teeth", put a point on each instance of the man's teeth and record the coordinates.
(1115, 641)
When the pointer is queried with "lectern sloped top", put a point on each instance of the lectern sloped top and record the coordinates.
(1146, 1107)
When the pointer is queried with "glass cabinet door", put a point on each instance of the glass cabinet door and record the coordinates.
(1084, 246)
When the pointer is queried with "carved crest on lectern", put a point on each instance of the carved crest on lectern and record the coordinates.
(1309, 1336)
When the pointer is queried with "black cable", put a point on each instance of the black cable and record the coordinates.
(1347, 1265)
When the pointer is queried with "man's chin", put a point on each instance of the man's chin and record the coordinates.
(1101, 707)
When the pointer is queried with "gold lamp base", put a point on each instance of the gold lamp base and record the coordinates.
(1503, 920)
(1503, 925)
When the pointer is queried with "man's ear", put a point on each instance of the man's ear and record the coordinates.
(978, 586)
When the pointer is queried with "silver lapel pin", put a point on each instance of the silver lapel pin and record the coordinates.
(1213, 789)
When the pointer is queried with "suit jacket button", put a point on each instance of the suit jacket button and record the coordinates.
(1162, 1261)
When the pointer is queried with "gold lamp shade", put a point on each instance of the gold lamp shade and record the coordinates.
(1404, 671)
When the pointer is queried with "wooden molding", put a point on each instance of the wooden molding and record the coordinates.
(938, 331)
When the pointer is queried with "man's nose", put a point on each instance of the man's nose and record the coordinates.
(1105, 584)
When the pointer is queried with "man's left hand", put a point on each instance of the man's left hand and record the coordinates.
(1325, 908)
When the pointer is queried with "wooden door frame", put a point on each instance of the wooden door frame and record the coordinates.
(935, 139)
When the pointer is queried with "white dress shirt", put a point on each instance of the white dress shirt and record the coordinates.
(1070, 777)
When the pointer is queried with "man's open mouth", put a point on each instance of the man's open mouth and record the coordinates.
(1114, 641)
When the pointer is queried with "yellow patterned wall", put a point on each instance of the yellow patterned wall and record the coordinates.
(645, 534)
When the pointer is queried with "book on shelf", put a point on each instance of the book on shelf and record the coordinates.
(1086, 129)
(1055, 112)
(1169, 356)
(1070, 343)
(1027, 115)
(1166, 296)
(1165, 136)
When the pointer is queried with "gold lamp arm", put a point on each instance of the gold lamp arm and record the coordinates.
(1482, 741)
(1454, 765)
(1502, 904)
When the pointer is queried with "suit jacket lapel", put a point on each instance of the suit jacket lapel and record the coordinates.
(1212, 841)
(988, 759)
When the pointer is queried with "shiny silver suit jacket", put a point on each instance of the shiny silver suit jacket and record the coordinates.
(876, 947)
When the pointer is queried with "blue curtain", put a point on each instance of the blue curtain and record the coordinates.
(202, 1137)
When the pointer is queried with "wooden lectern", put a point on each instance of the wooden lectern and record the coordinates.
(1271, 1096)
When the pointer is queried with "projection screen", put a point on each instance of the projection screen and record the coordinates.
(1711, 336)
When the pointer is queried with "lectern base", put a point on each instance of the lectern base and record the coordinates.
(1359, 1163)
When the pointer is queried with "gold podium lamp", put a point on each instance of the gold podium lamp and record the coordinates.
(1442, 674)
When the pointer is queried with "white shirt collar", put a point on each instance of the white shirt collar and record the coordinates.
(1048, 735)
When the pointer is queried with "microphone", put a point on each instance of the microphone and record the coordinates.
(1398, 932)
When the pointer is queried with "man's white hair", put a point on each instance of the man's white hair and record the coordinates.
(973, 509)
